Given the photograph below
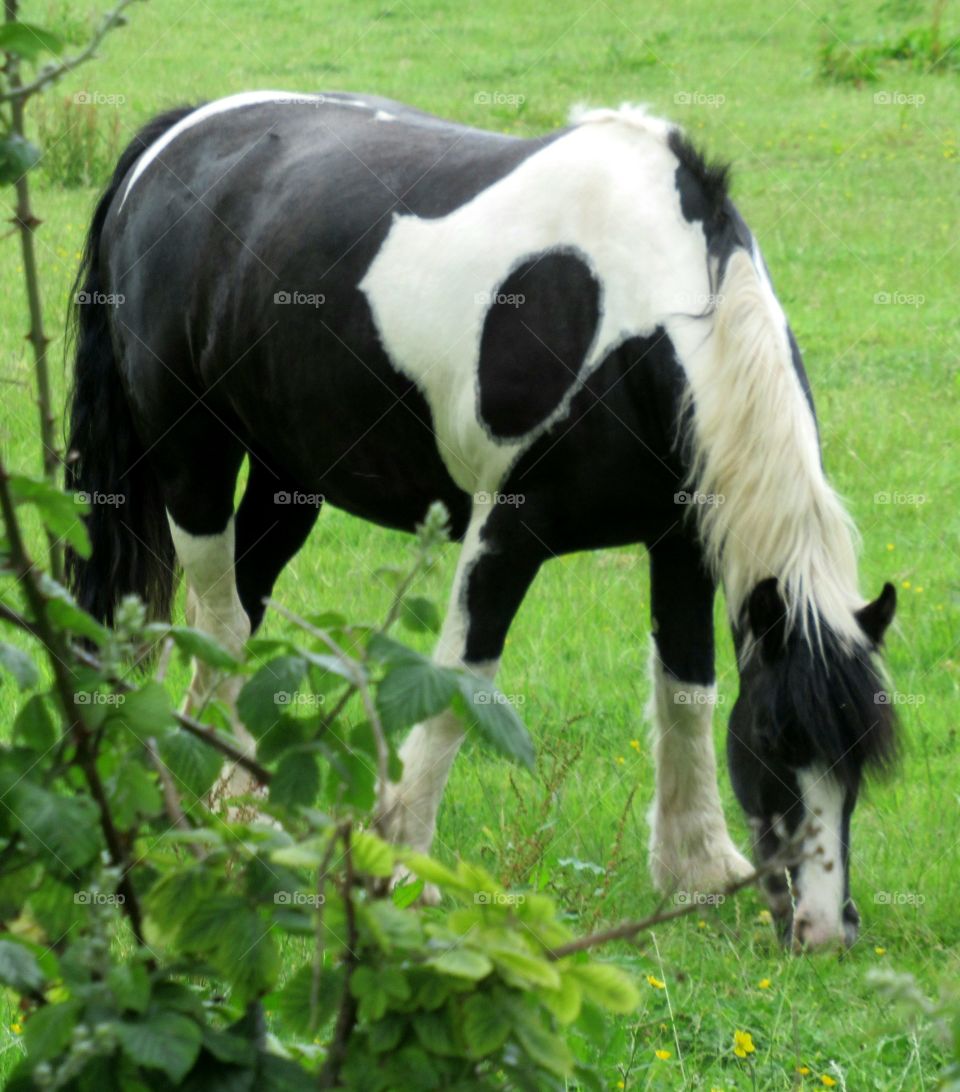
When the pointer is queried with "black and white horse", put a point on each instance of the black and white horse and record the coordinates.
(387, 309)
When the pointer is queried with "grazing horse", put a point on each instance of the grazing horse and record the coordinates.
(384, 309)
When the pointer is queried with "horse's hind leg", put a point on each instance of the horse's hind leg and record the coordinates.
(690, 848)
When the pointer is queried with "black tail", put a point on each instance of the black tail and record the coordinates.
(132, 549)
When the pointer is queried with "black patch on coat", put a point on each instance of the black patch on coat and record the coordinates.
(536, 335)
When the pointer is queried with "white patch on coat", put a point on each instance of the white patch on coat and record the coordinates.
(820, 882)
(603, 191)
(210, 110)
(690, 848)
(429, 750)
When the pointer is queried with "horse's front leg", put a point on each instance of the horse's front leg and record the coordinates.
(690, 848)
(492, 577)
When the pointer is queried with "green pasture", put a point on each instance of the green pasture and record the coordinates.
(852, 189)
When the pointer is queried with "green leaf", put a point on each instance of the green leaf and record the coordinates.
(177, 896)
(386, 1033)
(276, 1074)
(28, 40)
(236, 940)
(20, 666)
(293, 1001)
(420, 615)
(372, 855)
(34, 726)
(19, 968)
(194, 765)
(565, 1001)
(605, 985)
(49, 1030)
(167, 1041)
(391, 927)
(17, 156)
(523, 969)
(485, 1025)
(542, 1046)
(406, 894)
(64, 829)
(133, 794)
(431, 871)
(62, 513)
(434, 1032)
(144, 714)
(200, 645)
(461, 962)
(387, 651)
(130, 984)
(269, 693)
(296, 780)
(487, 711)
(413, 691)
(67, 617)
(227, 1046)
(367, 988)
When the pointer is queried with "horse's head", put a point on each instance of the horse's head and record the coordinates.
(812, 715)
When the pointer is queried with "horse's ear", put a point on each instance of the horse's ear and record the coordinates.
(767, 614)
(876, 616)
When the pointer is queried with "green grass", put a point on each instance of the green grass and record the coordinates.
(850, 198)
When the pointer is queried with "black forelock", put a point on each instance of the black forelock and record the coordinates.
(822, 703)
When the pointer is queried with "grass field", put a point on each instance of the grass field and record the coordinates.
(853, 194)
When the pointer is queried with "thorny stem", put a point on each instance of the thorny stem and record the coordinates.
(77, 729)
(347, 1016)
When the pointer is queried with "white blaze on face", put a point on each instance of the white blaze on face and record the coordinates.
(820, 882)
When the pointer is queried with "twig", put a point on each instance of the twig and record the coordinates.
(58, 653)
(627, 930)
(53, 72)
(347, 1016)
(171, 798)
(18, 620)
(206, 732)
(317, 969)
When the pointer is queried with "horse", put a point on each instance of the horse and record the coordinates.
(380, 309)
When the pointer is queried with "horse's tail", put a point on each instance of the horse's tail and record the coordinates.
(106, 464)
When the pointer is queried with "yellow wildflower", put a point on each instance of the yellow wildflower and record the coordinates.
(803, 1070)
(701, 924)
(890, 546)
(656, 983)
(620, 760)
(828, 1081)
(918, 588)
(765, 917)
(16, 1028)
(906, 584)
(663, 1055)
(880, 951)
(764, 984)
(743, 1044)
(635, 744)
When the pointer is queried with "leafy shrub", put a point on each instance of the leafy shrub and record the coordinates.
(157, 943)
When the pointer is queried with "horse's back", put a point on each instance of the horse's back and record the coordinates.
(326, 272)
